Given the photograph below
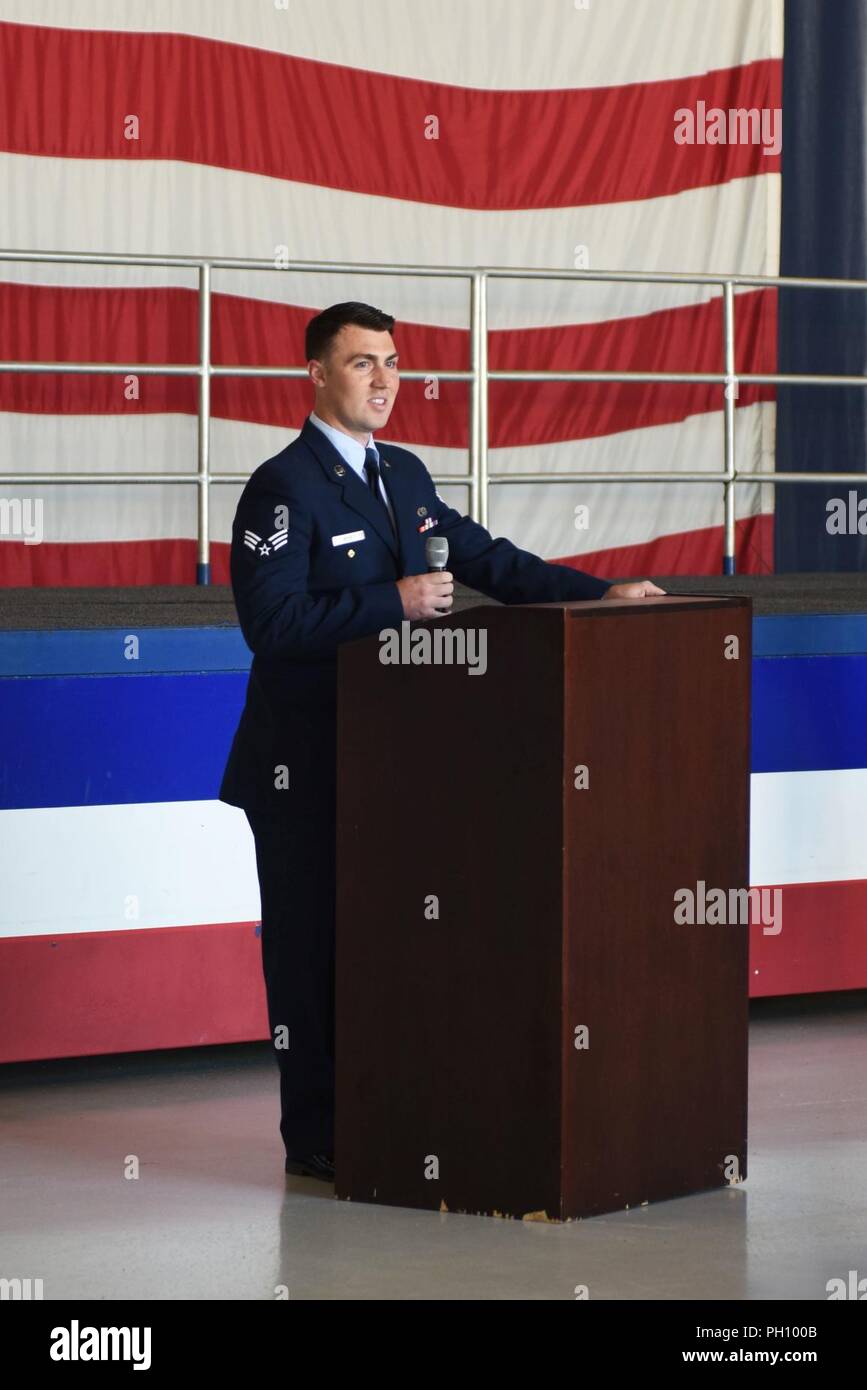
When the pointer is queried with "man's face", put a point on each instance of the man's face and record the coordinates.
(357, 381)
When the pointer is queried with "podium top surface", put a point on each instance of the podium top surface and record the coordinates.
(668, 603)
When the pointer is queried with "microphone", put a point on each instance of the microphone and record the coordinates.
(436, 552)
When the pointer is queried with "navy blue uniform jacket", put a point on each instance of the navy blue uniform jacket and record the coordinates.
(301, 588)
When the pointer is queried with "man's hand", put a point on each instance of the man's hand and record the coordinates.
(642, 588)
(426, 595)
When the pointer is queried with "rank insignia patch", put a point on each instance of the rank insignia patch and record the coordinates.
(256, 543)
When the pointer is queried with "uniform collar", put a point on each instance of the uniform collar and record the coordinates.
(348, 448)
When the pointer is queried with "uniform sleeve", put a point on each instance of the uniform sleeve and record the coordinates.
(270, 563)
(502, 571)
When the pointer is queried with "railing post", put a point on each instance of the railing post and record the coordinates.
(203, 479)
(479, 397)
(731, 392)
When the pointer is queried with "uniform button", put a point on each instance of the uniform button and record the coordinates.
(351, 554)
(421, 511)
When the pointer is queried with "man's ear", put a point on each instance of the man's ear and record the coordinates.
(315, 372)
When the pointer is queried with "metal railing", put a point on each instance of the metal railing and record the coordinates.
(478, 479)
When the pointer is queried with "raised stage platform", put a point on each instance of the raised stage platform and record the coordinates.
(773, 595)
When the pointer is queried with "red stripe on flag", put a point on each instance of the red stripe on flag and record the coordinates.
(74, 90)
(83, 564)
(52, 323)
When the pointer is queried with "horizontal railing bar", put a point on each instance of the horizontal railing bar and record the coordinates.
(409, 375)
(103, 368)
(464, 479)
(798, 379)
(706, 378)
(106, 477)
(96, 258)
(191, 369)
(691, 378)
(436, 271)
(637, 477)
(752, 477)
(785, 282)
(461, 479)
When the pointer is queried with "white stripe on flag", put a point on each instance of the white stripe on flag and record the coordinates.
(495, 44)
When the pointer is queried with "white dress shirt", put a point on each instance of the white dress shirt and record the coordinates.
(353, 452)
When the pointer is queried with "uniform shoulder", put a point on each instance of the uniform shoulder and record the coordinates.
(295, 466)
(404, 458)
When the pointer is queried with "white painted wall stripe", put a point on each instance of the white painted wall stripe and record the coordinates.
(808, 827)
(86, 868)
(75, 869)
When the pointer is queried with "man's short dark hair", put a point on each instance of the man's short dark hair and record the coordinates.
(322, 330)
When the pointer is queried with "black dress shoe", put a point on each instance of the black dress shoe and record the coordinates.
(316, 1166)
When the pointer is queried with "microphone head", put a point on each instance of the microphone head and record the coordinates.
(436, 552)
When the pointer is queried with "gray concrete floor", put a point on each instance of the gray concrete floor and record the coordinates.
(213, 1215)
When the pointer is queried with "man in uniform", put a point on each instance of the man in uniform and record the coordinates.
(328, 545)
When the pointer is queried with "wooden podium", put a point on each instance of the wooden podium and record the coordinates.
(524, 1028)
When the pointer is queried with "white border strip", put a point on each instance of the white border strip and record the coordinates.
(122, 868)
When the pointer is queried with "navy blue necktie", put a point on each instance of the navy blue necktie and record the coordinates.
(371, 468)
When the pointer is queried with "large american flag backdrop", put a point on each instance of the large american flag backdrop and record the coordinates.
(493, 133)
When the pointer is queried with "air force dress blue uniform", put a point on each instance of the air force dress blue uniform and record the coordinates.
(315, 559)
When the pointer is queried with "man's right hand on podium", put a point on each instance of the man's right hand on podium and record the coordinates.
(640, 588)
(426, 595)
